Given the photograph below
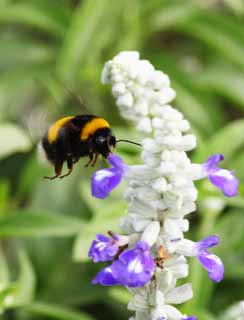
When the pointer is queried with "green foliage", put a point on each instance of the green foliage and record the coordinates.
(46, 227)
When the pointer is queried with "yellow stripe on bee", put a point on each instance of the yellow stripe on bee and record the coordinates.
(92, 126)
(54, 129)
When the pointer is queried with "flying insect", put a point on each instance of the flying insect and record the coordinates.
(73, 137)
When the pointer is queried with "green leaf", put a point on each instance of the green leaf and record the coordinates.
(4, 196)
(26, 223)
(228, 141)
(31, 16)
(55, 312)
(238, 165)
(26, 282)
(120, 294)
(169, 13)
(13, 139)
(227, 38)
(84, 25)
(231, 248)
(225, 81)
(130, 37)
(23, 51)
(4, 270)
(18, 293)
(107, 213)
(111, 212)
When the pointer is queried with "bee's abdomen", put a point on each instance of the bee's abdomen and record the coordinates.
(53, 131)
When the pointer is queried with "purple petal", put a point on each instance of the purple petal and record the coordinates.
(213, 265)
(102, 237)
(103, 249)
(105, 278)
(135, 267)
(225, 181)
(208, 242)
(190, 318)
(116, 161)
(104, 181)
(212, 161)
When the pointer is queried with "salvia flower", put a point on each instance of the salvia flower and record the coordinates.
(160, 194)
(105, 180)
(134, 268)
(104, 248)
(105, 277)
(208, 260)
(223, 179)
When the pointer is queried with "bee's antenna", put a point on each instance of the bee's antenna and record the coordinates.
(128, 141)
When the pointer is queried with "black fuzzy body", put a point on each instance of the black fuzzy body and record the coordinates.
(69, 147)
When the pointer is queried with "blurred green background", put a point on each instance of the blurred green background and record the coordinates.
(46, 227)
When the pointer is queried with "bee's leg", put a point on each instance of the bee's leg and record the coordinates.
(58, 169)
(70, 167)
(95, 160)
(76, 160)
(91, 155)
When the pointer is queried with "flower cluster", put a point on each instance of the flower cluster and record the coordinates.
(160, 194)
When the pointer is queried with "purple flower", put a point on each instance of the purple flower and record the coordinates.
(134, 268)
(104, 248)
(210, 261)
(105, 277)
(221, 178)
(105, 180)
(190, 318)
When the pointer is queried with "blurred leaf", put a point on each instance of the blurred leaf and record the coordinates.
(238, 165)
(227, 38)
(120, 294)
(4, 197)
(22, 51)
(231, 248)
(26, 223)
(30, 176)
(26, 282)
(227, 140)
(84, 25)
(55, 312)
(225, 81)
(30, 15)
(109, 213)
(130, 37)
(4, 270)
(18, 293)
(107, 210)
(7, 296)
(168, 13)
(13, 139)
(201, 314)
(236, 5)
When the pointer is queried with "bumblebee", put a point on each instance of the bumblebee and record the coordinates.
(73, 137)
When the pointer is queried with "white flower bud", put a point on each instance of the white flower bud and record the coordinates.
(151, 233)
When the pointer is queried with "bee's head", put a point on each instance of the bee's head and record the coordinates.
(104, 142)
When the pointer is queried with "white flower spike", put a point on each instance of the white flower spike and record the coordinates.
(160, 194)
